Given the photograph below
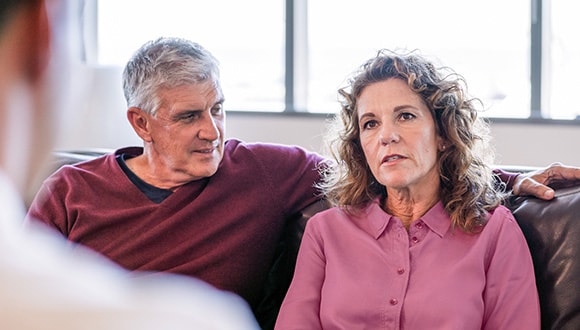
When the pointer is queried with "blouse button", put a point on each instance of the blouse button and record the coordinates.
(394, 301)
(401, 271)
(419, 225)
(415, 239)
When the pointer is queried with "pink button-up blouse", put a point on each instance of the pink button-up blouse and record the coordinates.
(369, 272)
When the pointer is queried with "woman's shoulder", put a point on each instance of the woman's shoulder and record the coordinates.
(501, 213)
(340, 220)
(501, 219)
(324, 216)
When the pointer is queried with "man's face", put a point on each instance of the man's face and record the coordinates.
(187, 132)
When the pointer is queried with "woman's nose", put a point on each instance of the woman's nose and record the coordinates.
(388, 135)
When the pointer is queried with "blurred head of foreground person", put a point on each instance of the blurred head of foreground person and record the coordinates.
(45, 283)
(25, 111)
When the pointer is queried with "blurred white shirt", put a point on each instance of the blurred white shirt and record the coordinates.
(45, 283)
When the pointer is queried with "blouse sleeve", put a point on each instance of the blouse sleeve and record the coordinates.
(511, 297)
(301, 307)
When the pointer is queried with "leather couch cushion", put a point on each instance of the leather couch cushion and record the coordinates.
(552, 229)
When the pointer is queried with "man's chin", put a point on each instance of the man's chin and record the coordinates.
(205, 170)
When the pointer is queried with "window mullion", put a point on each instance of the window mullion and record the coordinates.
(296, 53)
(536, 59)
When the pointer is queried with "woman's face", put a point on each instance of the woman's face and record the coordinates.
(398, 136)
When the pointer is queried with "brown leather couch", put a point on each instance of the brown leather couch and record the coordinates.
(552, 230)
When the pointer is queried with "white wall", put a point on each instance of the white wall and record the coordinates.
(536, 144)
(101, 123)
(515, 144)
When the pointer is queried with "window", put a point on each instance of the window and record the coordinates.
(562, 65)
(247, 37)
(487, 46)
(266, 68)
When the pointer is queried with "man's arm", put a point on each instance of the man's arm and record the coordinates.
(540, 183)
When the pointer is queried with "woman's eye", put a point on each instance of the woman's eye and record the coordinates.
(407, 116)
(369, 124)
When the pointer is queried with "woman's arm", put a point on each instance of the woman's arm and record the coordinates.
(301, 307)
(511, 296)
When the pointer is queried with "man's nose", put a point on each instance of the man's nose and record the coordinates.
(209, 129)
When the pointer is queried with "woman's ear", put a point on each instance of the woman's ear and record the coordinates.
(140, 122)
(441, 144)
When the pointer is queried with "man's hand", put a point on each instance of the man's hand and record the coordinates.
(539, 183)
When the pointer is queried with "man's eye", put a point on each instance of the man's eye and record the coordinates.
(218, 109)
(189, 116)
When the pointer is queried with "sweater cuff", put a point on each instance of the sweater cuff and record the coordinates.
(507, 178)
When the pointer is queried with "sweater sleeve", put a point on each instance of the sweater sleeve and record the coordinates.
(507, 178)
(293, 171)
(48, 205)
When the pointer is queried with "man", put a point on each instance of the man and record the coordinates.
(44, 284)
(189, 202)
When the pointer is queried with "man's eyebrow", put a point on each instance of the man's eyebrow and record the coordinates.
(185, 113)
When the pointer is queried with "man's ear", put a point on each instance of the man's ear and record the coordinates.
(140, 122)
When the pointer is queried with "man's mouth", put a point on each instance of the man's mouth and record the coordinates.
(205, 151)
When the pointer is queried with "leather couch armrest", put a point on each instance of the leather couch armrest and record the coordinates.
(552, 230)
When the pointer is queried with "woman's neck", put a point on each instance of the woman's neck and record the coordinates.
(408, 206)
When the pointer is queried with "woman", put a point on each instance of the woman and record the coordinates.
(418, 238)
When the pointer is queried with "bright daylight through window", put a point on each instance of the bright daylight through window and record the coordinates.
(488, 42)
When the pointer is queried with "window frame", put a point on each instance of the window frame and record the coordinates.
(296, 57)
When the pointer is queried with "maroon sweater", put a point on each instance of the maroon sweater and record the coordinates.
(222, 229)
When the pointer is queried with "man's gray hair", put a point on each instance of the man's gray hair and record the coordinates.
(165, 63)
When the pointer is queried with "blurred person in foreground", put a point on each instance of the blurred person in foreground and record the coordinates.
(189, 201)
(44, 284)
(418, 238)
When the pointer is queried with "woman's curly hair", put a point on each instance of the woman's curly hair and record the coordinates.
(468, 186)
